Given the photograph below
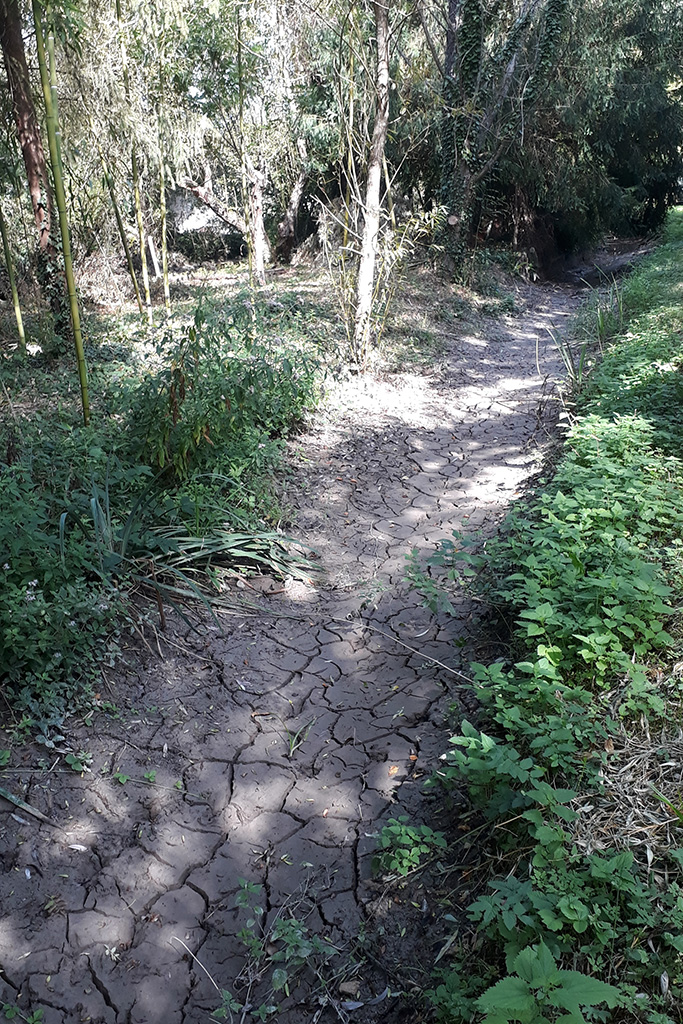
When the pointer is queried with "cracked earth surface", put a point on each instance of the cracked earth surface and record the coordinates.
(280, 747)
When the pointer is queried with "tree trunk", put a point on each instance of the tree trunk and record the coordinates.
(13, 285)
(259, 245)
(286, 229)
(49, 266)
(254, 231)
(135, 172)
(25, 119)
(164, 235)
(120, 225)
(204, 193)
(366, 268)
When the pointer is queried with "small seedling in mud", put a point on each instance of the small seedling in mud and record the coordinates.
(401, 847)
(4, 758)
(151, 775)
(11, 1011)
(79, 762)
(120, 777)
(178, 784)
(298, 738)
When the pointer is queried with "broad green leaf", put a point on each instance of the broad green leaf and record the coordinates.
(511, 995)
(579, 990)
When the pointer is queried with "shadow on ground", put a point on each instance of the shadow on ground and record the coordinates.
(271, 753)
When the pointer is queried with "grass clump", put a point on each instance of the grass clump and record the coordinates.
(587, 573)
(169, 487)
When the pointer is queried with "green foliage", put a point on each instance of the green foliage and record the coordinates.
(83, 518)
(538, 987)
(401, 847)
(57, 617)
(586, 571)
(609, 159)
(217, 403)
(12, 1011)
(279, 954)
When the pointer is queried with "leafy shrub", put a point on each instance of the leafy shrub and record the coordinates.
(538, 986)
(100, 508)
(586, 571)
(217, 404)
(55, 613)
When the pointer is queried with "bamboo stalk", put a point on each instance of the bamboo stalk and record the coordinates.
(164, 242)
(162, 189)
(122, 230)
(141, 234)
(135, 173)
(48, 81)
(12, 284)
(349, 156)
(387, 185)
(243, 159)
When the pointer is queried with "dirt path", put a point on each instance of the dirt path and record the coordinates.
(273, 753)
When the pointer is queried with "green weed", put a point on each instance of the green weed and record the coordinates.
(402, 847)
(277, 955)
(171, 484)
(587, 571)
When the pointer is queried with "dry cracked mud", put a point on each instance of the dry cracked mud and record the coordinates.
(273, 753)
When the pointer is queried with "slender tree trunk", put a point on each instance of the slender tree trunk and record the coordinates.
(164, 239)
(12, 284)
(135, 173)
(350, 127)
(50, 273)
(28, 133)
(48, 80)
(156, 267)
(162, 183)
(366, 268)
(259, 245)
(141, 234)
(122, 231)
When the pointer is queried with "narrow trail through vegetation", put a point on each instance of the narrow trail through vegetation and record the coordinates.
(273, 753)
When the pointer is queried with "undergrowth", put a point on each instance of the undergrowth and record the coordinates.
(169, 487)
(578, 919)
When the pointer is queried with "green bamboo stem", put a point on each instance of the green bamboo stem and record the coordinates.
(162, 182)
(13, 284)
(122, 230)
(48, 81)
(135, 173)
(164, 241)
(141, 235)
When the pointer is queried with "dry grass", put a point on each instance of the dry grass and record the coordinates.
(643, 766)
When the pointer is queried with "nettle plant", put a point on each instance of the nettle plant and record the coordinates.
(537, 986)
